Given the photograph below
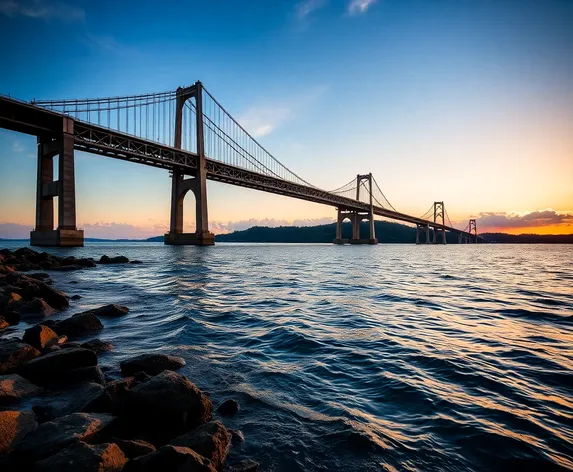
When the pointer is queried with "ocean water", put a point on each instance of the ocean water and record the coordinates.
(388, 357)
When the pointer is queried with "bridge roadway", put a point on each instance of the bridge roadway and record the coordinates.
(26, 118)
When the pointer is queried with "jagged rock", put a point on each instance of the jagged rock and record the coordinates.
(57, 367)
(39, 276)
(170, 458)
(151, 364)
(110, 400)
(40, 337)
(68, 268)
(14, 354)
(75, 297)
(85, 374)
(10, 298)
(14, 388)
(14, 426)
(87, 458)
(136, 262)
(70, 345)
(237, 436)
(3, 324)
(109, 310)
(11, 317)
(97, 345)
(247, 465)
(113, 260)
(53, 436)
(211, 440)
(135, 448)
(65, 402)
(35, 308)
(164, 407)
(228, 407)
(78, 325)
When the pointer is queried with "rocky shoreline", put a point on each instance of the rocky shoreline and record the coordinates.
(60, 412)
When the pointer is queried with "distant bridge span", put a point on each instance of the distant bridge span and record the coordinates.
(189, 133)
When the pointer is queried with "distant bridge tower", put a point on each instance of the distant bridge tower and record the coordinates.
(473, 229)
(439, 213)
(198, 184)
(356, 217)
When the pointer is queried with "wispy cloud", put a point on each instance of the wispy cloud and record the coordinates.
(43, 10)
(107, 43)
(532, 219)
(357, 7)
(306, 7)
(262, 120)
(17, 147)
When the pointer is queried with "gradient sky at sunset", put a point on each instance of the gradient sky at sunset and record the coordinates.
(466, 101)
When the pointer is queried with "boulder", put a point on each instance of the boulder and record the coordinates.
(75, 297)
(68, 268)
(52, 297)
(113, 260)
(211, 440)
(60, 433)
(70, 345)
(228, 408)
(65, 402)
(237, 436)
(111, 310)
(85, 374)
(82, 324)
(135, 448)
(86, 458)
(14, 388)
(97, 345)
(136, 262)
(39, 276)
(53, 368)
(151, 364)
(3, 324)
(111, 398)
(247, 465)
(14, 354)
(40, 337)
(164, 407)
(14, 425)
(170, 458)
(35, 308)
(11, 317)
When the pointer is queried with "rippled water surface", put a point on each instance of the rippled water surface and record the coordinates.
(395, 357)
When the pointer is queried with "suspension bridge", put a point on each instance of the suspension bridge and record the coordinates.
(188, 132)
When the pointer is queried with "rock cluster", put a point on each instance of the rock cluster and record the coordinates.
(60, 412)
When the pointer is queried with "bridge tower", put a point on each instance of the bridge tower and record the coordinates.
(422, 229)
(356, 217)
(473, 230)
(66, 234)
(439, 213)
(197, 184)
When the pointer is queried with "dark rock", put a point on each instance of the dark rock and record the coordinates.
(73, 282)
(87, 458)
(35, 308)
(247, 465)
(52, 297)
(136, 262)
(141, 377)
(54, 368)
(164, 407)
(14, 388)
(14, 426)
(84, 262)
(14, 354)
(237, 436)
(62, 339)
(3, 324)
(75, 297)
(111, 398)
(170, 458)
(97, 345)
(68, 268)
(53, 436)
(25, 252)
(65, 402)
(70, 345)
(133, 449)
(78, 325)
(85, 374)
(39, 276)
(109, 310)
(211, 440)
(10, 299)
(40, 337)
(151, 364)
(113, 260)
(228, 407)
(11, 317)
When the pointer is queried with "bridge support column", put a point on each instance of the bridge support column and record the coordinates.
(198, 185)
(64, 188)
(341, 216)
(422, 228)
(355, 218)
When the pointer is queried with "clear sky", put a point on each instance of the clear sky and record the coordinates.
(466, 101)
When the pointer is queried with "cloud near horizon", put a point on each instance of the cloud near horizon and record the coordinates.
(43, 10)
(500, 221)
(357, 7)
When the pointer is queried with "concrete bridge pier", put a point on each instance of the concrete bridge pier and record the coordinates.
(355, 218)
(420, 229)
(66, 234)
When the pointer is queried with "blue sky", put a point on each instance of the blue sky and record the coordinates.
(466, 101)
